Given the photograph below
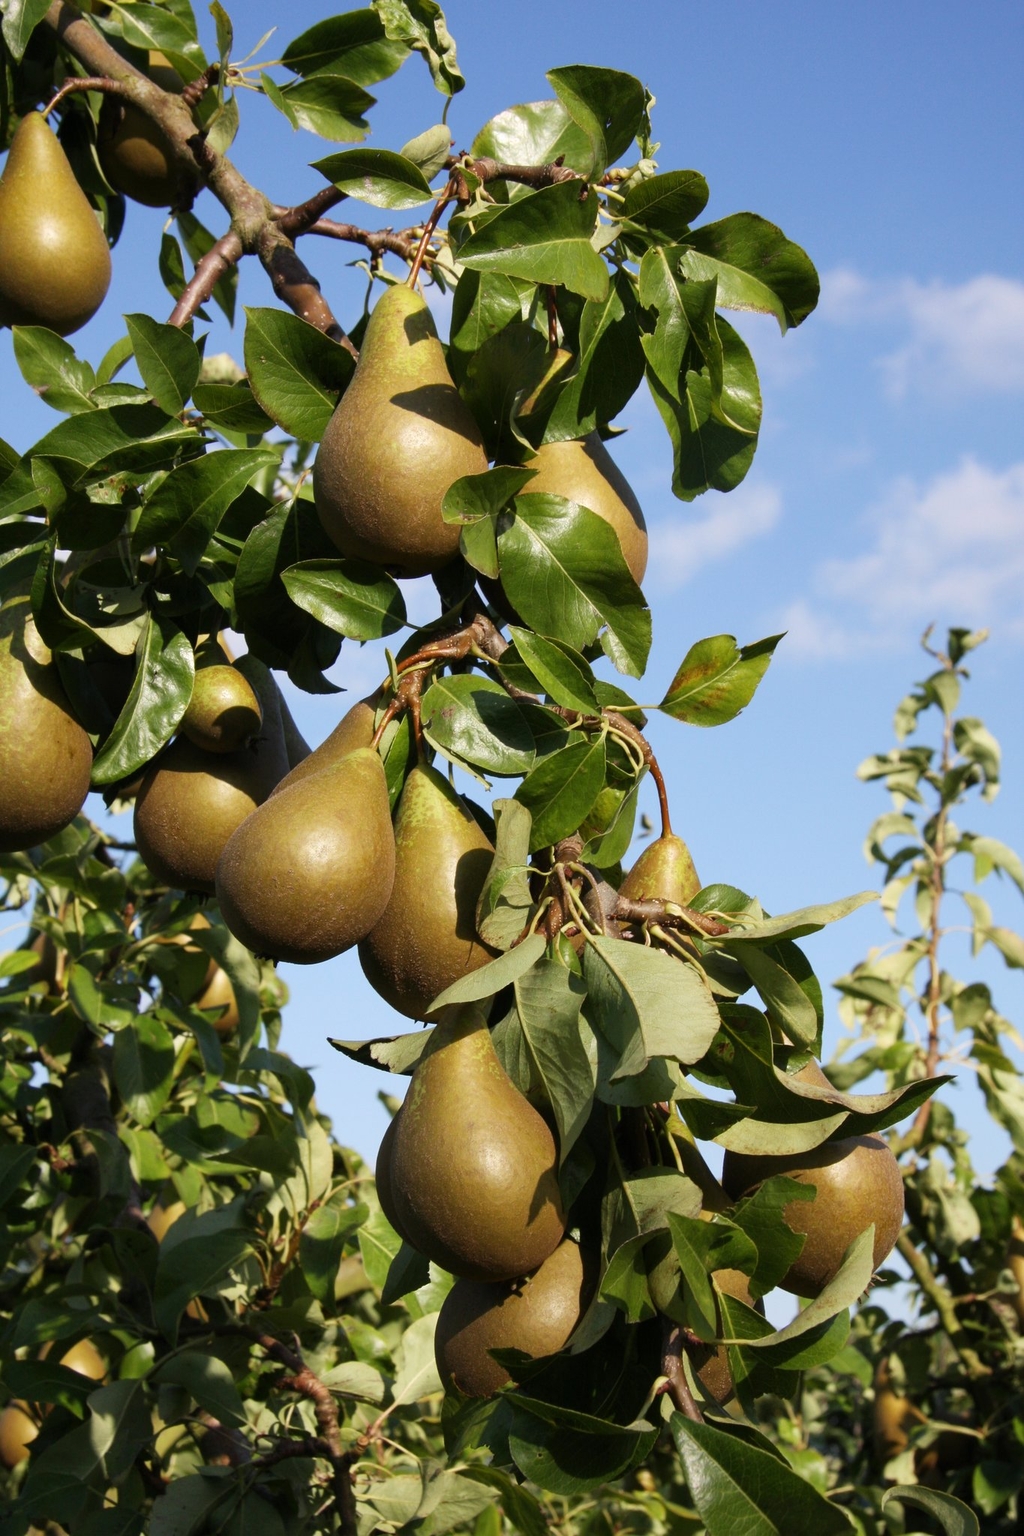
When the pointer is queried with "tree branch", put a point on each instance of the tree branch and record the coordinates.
(676, 1384)
(944, 1305)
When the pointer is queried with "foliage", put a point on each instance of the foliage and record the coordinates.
(269, 1360)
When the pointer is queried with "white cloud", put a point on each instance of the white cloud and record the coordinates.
(683, 546)
(951, 551)
(958, 336)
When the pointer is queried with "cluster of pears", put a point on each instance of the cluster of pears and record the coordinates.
(468, 1175)
(19, 1421)
(402, 434)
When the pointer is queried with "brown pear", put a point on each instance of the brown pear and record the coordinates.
(893, 1415)
(223, 713)
(711, 1361)
(663, 872)
(354, 730)
(17, 1431)
(135, 154)
(857, 1181)
(45, 755)
(425, 939)
(309, 874)
(536, 1315)
(191, 801)
(399, 437)
(473, 1167)
(584, 471)
(382, 1175)
(54, 258)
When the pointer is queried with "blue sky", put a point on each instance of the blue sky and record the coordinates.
(888, 489)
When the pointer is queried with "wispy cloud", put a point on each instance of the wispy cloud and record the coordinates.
(952, 336)
(683, 546)
(949, 551)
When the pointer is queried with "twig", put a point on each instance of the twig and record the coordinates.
(944, 1305)
(428, 229)
(76, 83)
(676, 1384)
(219, 259)
(628, 911)
(304, 1381)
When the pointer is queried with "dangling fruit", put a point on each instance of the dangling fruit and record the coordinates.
(135, 154)
(584, 471)
(354, 730)
(398, 439)
(45, 755)
(223, 714)
(54, 258)
(536, 1315)
(473, 1169)
(309, 874)
(425, 939)
(663, 872)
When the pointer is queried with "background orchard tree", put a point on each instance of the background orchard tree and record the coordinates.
(264, 1338)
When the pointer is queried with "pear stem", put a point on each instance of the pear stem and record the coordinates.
(85, 83)
(428, 230)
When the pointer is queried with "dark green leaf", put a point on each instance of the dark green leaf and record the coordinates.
(296, 372)
(231, 406)
(561, 672)
(21, 17)
(606, 104)
(323, 1240)
(536, 133)
(473, 720)
(548, 998)
(156, 702)
(168, 360)
(133, 438)
(191, 1267)
(421, 25)
(185, 510)
(953, 1515)
(757, 267)
(489, 979)
(560, 791)
(505, 900)
(351, 597)
(328, 105)
(717, 679)
(544, 237)
(376, 176)
(352, 44)
(144, 1067)
(49, 364)
(608, 372)
(647, 1004)
(738, 1487)
(208, 1380)
(665, 206)
(713, 428)
(566, 1452)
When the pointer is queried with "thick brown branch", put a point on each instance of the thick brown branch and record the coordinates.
(627, 911)
(219, 259)
(399, 242)
(486, 169)
(676, 1384)
(300, 218)
(304, 1381)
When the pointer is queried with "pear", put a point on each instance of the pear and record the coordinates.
(309, 874)
(45, 755)
(17, 1431)
(663, 872)
(134, 152)
(583, 470)
(382, 1175)
(54, 258)
(223, 713)
(893, 1415)
(711, 1361)
(473, 1166)
(191, 801)
(425, 938)
(398, 439)
(354, 730)
(535, 1315)
(857, 1181)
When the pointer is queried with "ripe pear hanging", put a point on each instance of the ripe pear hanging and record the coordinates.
(54, 258)
(425, 938)
(45, 755)
(472, 1174)
(308, 874)
(584, 471)
(135, 154)
(663, 872)
(399, 437)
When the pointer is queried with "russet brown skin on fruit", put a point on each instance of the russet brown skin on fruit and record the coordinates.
(663, 872)
(584, 471)
(188, 806)
(858, 1181)
(54, 258)
(536, 1315)
(309, 874)
(473, 1167)
(354, 730)
(425, 939)
(134, 153)
(399, 437)
(223, 714)
(45, 755)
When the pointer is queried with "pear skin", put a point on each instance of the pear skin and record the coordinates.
(54, 258)
(399, 437)
(308, 874)
(17, 1431)
(134, 153)
(473, 1167)
(425, 939)
(45, 755)
(354, 730)
(223, 713)
(382, 1175)
(663, 872)
(584, 471)
(536, 1315)
(857, 1181)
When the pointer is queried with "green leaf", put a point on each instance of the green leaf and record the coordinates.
(518, 1503)
(738, 1487)
(548, 998)
(323, 1240)
(185, 510)
(665, 206)
(607, 105)
(328, 105)
(717, 679)
(545, 238)
(421, 25)
(296, 372)
(21, 17)
(624, 1282)
(565, 1452)
(489, 979)
(232, 407)
(712, 418)
(168, 360)
(156, 702)
(49, 364)
(989, 854)
(536, 133)
(15, 1166)
(144, 1067)
(560, 791)
(562, 673)
(199, 242)
(954, 1516)
(609, 368)
(563, 570)
(191, 1267)
(476, 501)
(757, 267)
(357, 600)
(208, 1380)
(473, 720)
(505, 900)
(377, 176)
(136, 439)
(793, 925)
(646, 1004)
(353, 44)
(429, 150)
(850, 1281)
(788, 1004)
